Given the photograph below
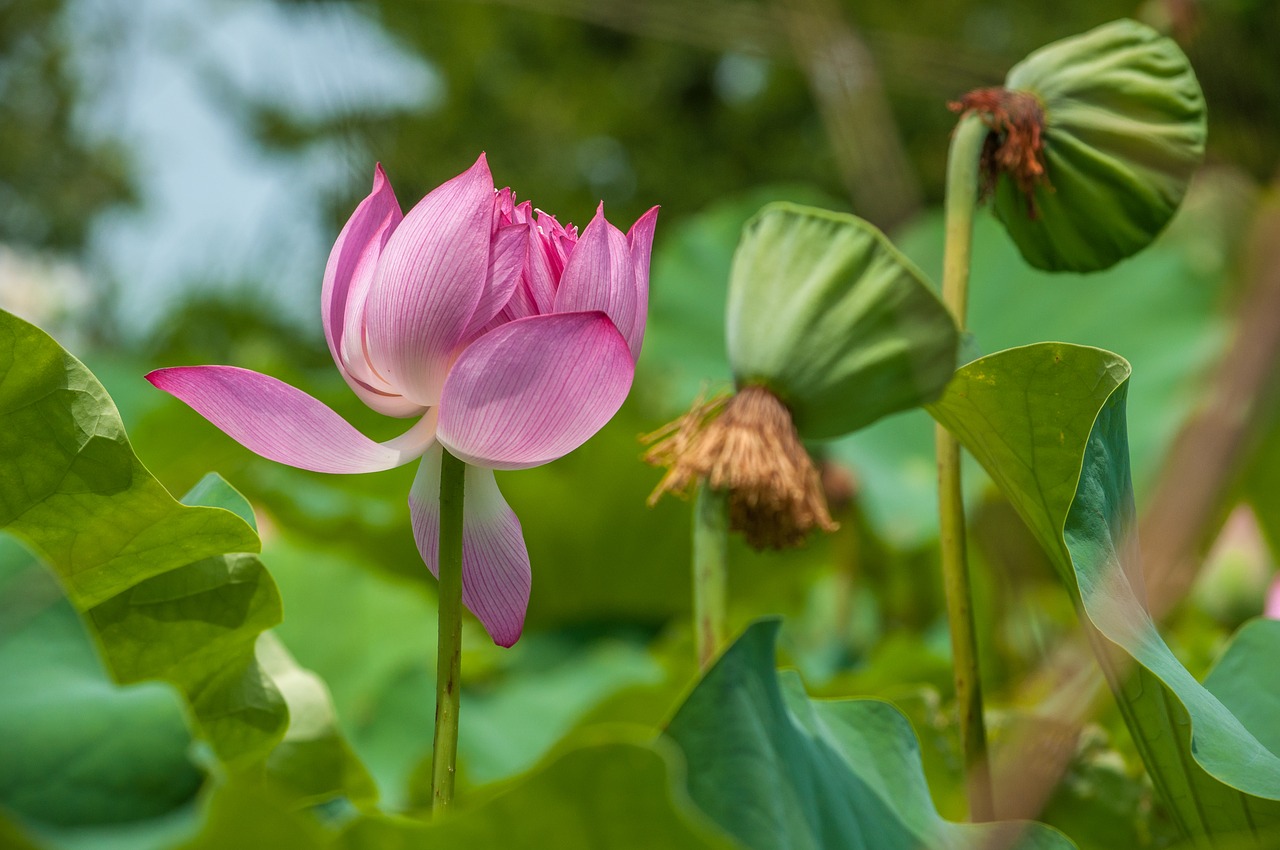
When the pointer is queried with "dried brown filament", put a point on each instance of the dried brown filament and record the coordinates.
(1016, 143)
(747, 445)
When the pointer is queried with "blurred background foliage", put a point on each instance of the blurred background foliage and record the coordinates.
(709, 108)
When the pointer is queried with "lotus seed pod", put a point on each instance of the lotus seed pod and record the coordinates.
(828, 316)
(1094, 141)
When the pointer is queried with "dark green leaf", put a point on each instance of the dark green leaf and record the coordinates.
(1048, 423)
(70, 483)
(780, 771)
(149, 574)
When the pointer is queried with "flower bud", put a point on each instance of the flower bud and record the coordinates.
(1094, 140)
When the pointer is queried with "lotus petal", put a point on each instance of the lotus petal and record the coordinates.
(535, 389)
(600, 275)
(495, 563)
(429, 281)
(284, 424)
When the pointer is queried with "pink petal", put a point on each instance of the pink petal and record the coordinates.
(535, 389)
(495, 562)
(347, 278)
(368, 228)
(284, 424)
(429, 280)
(1273, 601)
(541, 274)
(600, 275)
(640, 241)
(505, 266)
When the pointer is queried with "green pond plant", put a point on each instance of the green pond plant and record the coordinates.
(145, 703)
(828, 329)
(508, 338)
(1085, 153)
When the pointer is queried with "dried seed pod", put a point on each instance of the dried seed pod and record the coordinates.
(829, 329)
(1120, 130)
(746, 445)
(828, 315)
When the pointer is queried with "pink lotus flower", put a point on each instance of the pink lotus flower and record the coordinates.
(511, 338)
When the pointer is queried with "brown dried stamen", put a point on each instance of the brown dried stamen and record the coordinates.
(746, 445)
(1015, 145)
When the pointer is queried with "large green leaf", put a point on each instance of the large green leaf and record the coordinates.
(196, 626)
(157, 613)
(82, 754)
(780, 771)
(148, 573)
(1048, 423)
(71, 485)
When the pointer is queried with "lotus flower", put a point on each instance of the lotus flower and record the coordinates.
(512, 339)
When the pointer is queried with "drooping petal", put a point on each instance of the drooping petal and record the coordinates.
(284, 424)
(534, 389)
(429, 280)
(640, 241)
(600, 275)
(495, 563)
(505, 266)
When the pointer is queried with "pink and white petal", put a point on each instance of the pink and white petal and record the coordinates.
(495, 562)
(429, 280)
(368, 227)
(534, 390)
(284, 424)
(640, 241)
(386, 403)
(505, 265)
(600, 275)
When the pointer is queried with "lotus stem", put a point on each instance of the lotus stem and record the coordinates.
(963, 164)
(710, 545)
(444, 750)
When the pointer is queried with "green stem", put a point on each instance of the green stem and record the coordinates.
(962, 197)
(710, 542)
(444, 750)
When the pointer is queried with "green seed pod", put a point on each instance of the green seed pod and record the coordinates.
(828, 316)
(1122, 121)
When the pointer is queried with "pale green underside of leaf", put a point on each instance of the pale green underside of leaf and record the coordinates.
(780, 771)
(1047, 421)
